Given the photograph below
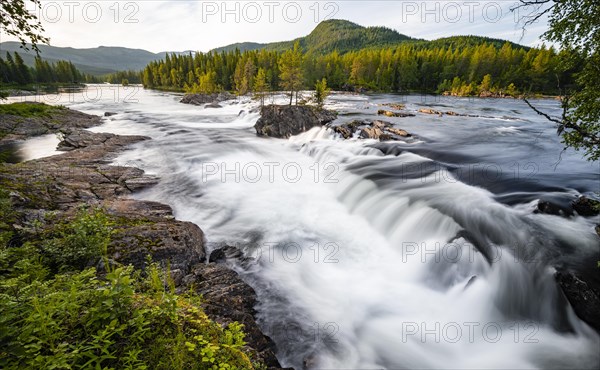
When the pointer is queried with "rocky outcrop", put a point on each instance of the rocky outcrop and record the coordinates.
(14, 128)
(283, 121)
(583, 298)
(378, 130)
(59, 185)
(430, 111)
(212, 100)
(396, 106)
(388, 113)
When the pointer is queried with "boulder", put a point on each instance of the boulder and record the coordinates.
(109, 114)
(430, 111)
(586, 207)
(202, 99)
(396, 106)
(283, 121)
(377, 130)
(583, 298)
(387, 113)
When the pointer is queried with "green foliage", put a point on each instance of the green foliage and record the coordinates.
(78, 243)
(119, 319)
(14, 71)
(290, 65)
(16, 20)
(321, 92)
(260, 85)
(575, 26)
(401, 68)
(30, 109)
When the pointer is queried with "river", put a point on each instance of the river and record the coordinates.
(425, 253)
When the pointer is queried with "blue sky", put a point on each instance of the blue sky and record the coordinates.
(203, 25)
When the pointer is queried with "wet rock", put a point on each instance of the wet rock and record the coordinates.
(377, 130)
(20, 128)
(283, 121)
(202, 99)
(387, 113)
(226, 298)
(586, 207)
(583, 298)
(399, 132)
(396, 106)
(548, 208)
(213, 105)
(76, 138)
(110, 114)
(430, 111)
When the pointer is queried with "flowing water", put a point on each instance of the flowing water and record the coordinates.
(425, 253)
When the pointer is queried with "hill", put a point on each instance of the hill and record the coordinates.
(95, 61)
(330, 35)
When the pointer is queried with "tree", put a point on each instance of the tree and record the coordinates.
(290, 65)
(17, 21)
(321, 92)
(575, 26)
(23, 73)
(260, 85)
(486, 83)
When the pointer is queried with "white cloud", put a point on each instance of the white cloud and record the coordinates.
(203, 25)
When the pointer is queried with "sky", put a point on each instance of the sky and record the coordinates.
(178, 25)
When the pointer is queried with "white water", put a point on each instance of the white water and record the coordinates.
(361, 262)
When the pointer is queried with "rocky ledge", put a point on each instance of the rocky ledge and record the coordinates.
(378, 130)
(42, 119)
(283, 121)
(51, 190)
(207, 100)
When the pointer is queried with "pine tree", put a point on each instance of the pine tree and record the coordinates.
(260, 85)
(290, 65)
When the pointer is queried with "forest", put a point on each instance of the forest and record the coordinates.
(457, 68)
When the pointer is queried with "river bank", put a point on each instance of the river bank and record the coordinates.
(47, 192)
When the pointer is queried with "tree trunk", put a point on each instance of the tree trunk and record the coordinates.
(291, 96)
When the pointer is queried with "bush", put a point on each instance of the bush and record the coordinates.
(80, 242)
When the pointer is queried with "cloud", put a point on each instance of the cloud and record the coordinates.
(203, 25)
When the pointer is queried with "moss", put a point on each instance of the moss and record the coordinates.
(28, 110)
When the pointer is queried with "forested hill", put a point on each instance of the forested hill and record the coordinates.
(330, 35)
(344, 36)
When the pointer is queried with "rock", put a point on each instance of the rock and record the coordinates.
(584, 300)
(344, 131)
(548, 208)
(213, 105)
(58, 120)
(77, 138)
(283, 121)
(396, 106)
(378, 130)
(110, 114)
(430, 111)
(586, 207)
(388, 113)
(399, 132)
(226, 298)
(371, 133)
(202, 99)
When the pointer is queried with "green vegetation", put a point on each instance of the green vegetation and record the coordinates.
(14, 70)
(59, 313)
(575, 26)
(291, 74)
(17, 20)
(403, 68)
(321, 92)
(29, 109)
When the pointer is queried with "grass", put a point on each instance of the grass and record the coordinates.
(29, 110)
